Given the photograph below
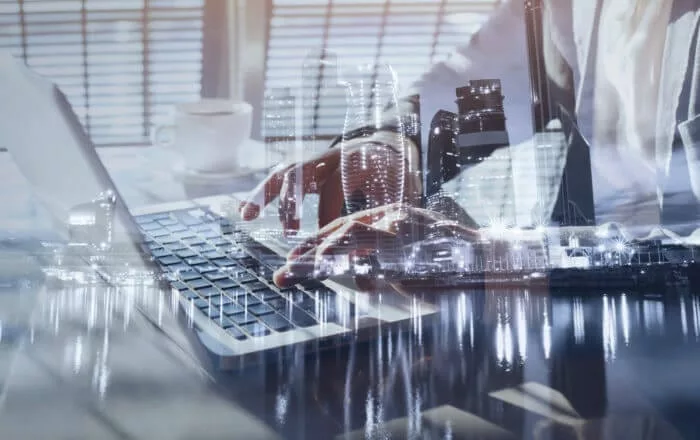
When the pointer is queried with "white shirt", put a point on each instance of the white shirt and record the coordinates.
(631, 40)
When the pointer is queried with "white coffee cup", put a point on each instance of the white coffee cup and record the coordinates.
(207, 134)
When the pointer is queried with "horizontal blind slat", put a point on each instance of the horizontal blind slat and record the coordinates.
(98, 63)
(359, 33)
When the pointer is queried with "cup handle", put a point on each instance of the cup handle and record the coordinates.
(163, 135)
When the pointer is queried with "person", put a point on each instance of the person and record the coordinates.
(634, 67)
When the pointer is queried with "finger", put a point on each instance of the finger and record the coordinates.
(263, 194)
(316, 171)
(355, 238)
(291, 195)
(303, 268)
(330, 201)
(367, 217)
(351, 239)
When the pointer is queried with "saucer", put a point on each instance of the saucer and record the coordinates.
(181, 172)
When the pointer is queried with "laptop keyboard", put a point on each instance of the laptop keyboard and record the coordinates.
(220, 270)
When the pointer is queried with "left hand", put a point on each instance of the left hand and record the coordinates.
(382, 229)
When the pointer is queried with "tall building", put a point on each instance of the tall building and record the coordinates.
(487, 191)
(573, 205)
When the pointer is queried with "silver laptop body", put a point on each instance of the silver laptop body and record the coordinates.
(44, 136)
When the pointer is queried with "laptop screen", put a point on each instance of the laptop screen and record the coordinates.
(49, 145)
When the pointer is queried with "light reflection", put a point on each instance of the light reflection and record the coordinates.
(522, 329)
(625, 315)
(281, 406)
(579, 322)
(609, 329)
(684, 318)
(546, 335)
(504, 342)
(77, 355)
(696, 317)
(653, 312)
(461, 321)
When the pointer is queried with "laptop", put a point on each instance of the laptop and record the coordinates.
(216, 268)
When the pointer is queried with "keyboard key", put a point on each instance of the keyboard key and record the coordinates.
(169, 260)
(208, 292)
(200, 303)
(233, 331)
(278, 304)
(176, 247)
(249, 263)
(213, 312)
(188, 219)
(196, 261)
(147, 218)
(159, 253)
(247, 300)
(216, 276)
(310, 305)
(225, 262)
(179, 285)
(199, 284)
(235, 292)
(297, 317)
(188, 294)
(210, 234)
(219, 241)
(276, 322)
(150, 226)
(167, 221)
(193, 241)
(232, 309)
(187, 253)
(243, 318)
(244, 278)
(176, 228)
(178, 268)
(256, 286)
(296, 296)
(158, 233)
(237, 253)
(188, 275)
(226, 283)
(268, 294)
(206, 268)
(202, 248)
(225, 247)
(184, 236)
(213, 255)
(220, 300)
(260, 309)
(256, 329)
(224, 322)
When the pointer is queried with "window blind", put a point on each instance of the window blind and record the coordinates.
(408, 35)
(121, 63)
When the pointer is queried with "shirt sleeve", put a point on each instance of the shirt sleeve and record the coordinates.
(497, 50)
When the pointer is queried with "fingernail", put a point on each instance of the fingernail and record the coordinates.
(250, 211)
(292, 228)
(284, 277)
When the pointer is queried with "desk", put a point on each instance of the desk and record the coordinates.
(80, 363)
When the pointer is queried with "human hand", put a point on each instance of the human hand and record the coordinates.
(382, 230)
(322, 175)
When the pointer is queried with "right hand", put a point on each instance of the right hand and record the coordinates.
(321, 175)
(380, 230)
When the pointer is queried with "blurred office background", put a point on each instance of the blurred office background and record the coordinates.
(124, 63)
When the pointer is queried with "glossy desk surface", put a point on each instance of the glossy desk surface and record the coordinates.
(81, 362)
